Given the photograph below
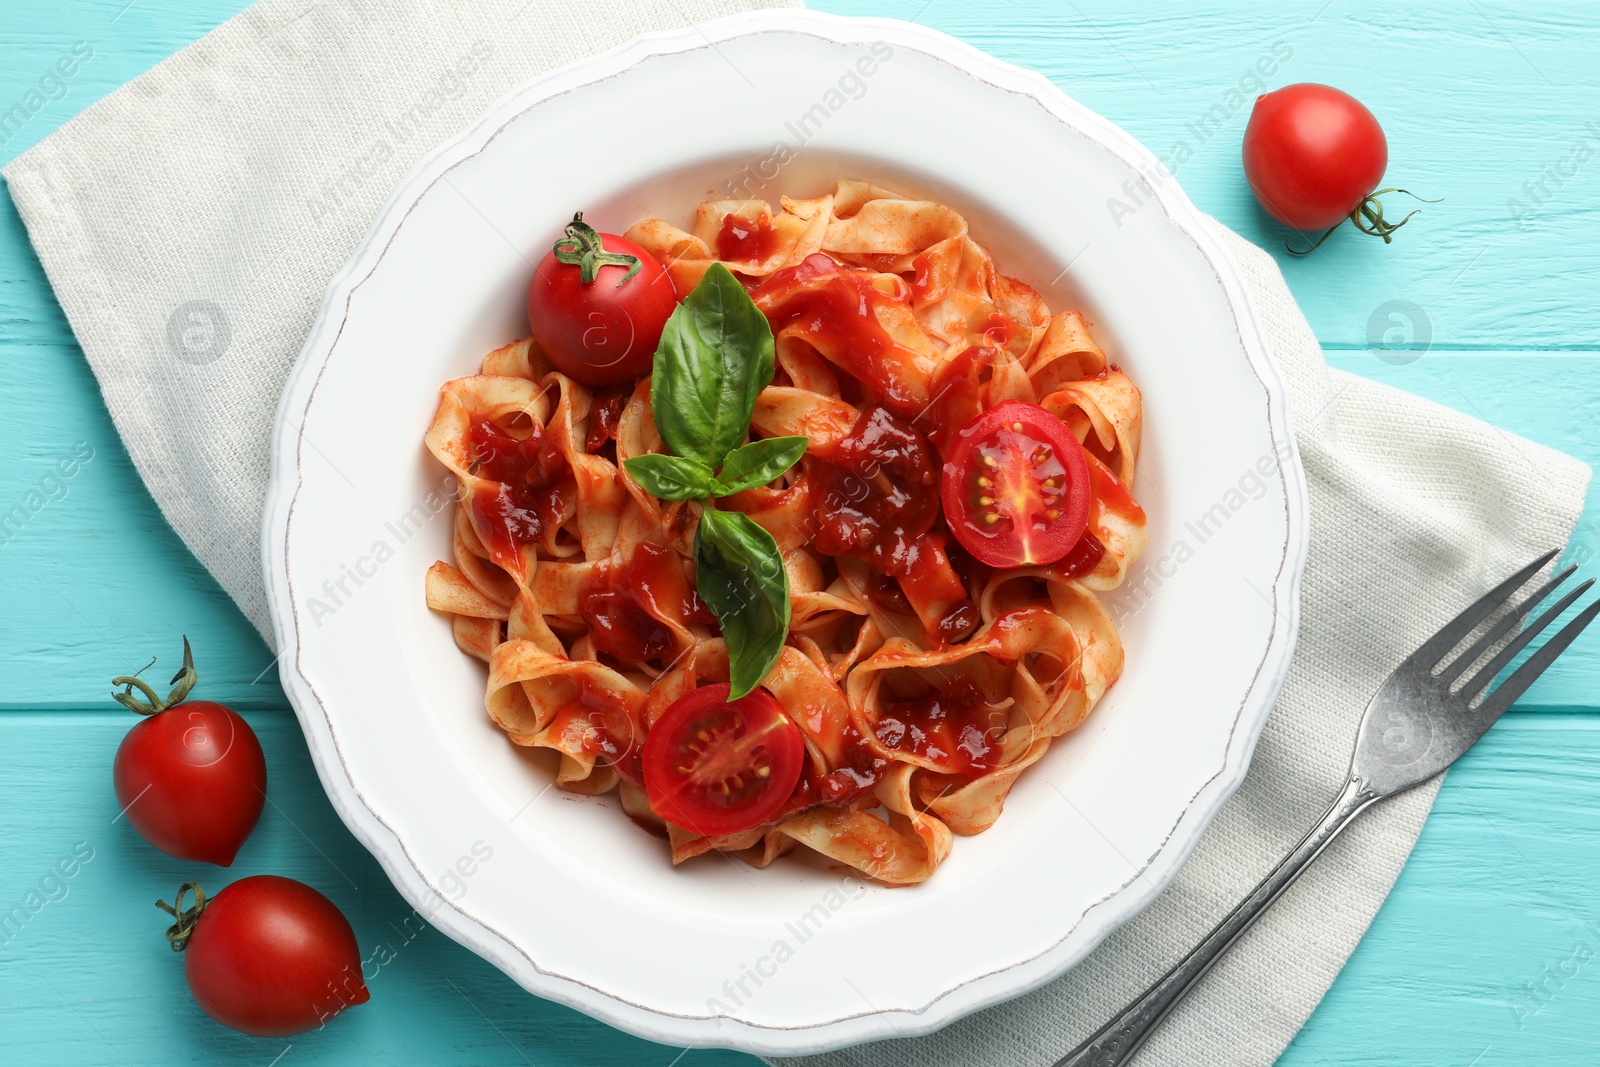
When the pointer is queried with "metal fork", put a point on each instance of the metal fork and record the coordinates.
(1423, 718)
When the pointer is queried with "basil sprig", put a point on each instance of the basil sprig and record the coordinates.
(715, 357)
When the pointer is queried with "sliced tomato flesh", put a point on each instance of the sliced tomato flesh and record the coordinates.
(716, 767)
(1016, 487)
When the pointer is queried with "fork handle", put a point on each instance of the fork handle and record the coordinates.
(1116, 1042)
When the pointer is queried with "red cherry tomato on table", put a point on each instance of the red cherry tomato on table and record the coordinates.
(1312, 153)
(1016, 486)
(268, 956)
(597, 305)
(1314, 156)
(190, 777)
(714, 767)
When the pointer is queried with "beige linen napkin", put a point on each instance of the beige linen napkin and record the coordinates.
(190, 223)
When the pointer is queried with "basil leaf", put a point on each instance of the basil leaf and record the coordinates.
(714, 359)
(671, 477)
(758, 463)
(740, 576)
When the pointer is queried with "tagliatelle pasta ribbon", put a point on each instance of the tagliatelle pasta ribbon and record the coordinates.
(923, 687)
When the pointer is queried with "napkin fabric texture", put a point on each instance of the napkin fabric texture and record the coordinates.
(191, 221)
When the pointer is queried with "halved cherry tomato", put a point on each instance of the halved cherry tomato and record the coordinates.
(1016, 486)
(597, 305)
(713, 768)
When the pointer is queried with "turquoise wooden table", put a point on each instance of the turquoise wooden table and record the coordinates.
(1484, 955)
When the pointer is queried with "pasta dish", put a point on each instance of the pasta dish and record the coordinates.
(789, 528)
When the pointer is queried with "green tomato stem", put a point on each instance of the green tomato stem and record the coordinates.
(179, 932)
(183, 684)
(582, 248)
(1368, 218)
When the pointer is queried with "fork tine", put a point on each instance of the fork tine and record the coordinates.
(1513, 687)
(1433, 650)
(1458, 667)
(1517, 644)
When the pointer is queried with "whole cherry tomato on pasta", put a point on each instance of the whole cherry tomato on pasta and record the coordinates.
(597, 305)
(1314, 156)
(1016, 486)
(190, 777)
(268, 956)
(714, 767)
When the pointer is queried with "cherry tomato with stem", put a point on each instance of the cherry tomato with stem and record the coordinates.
(713, 767)
(267, 956)
(1314, 156)
(597, 305)
(1016, 487)
(190, 777)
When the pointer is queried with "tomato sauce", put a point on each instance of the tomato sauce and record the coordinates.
(877, 500)
(958, 390)
(1084, 557)
(954, 727)
(1109, 495)
(536, 490)
(932, 581)
(743, 241)
(877, 491)
(885, 594)
(609, 736)
(860, 771)
(605, 412)
(624, 605)
(835, 308)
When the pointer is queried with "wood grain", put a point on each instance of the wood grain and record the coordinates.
(1484, 954)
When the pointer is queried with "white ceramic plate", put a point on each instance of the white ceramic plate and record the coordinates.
(564, 893)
